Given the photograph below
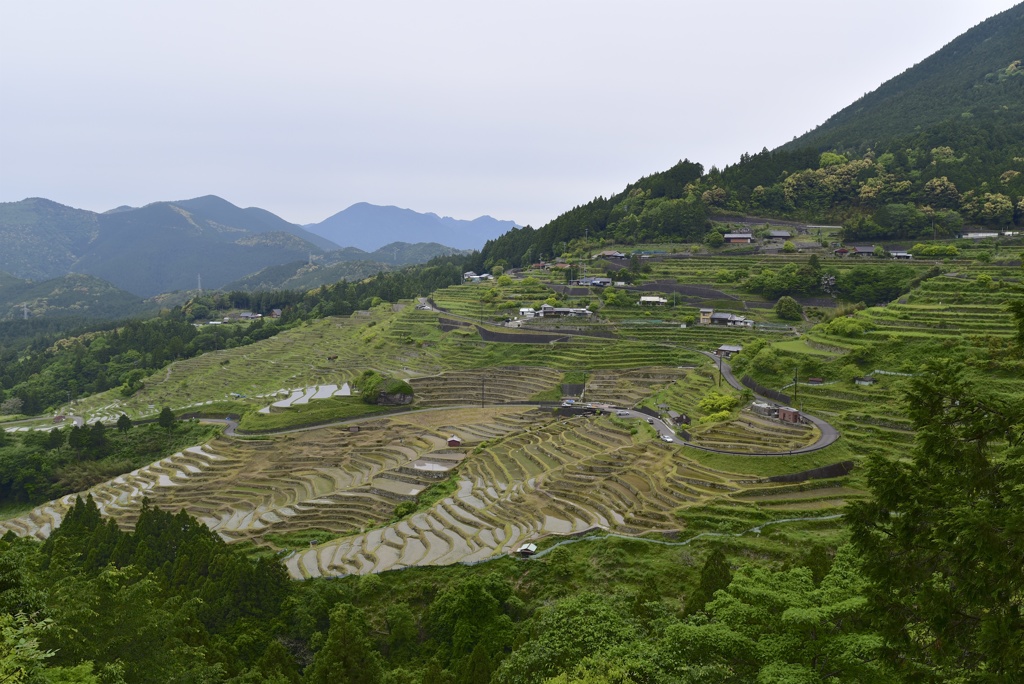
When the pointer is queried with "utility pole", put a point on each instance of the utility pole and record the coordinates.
(199, 283)
(796, 383)
(720, 370)
(24, 311)
(482, 390)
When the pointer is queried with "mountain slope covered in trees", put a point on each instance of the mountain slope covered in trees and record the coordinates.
(938, 148)
(976, 77)
(156, 248)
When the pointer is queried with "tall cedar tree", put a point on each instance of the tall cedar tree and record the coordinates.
(943, 538)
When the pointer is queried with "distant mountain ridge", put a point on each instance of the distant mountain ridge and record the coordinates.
(370, 227)
(350, 264)
(167, 246)
(160, 247)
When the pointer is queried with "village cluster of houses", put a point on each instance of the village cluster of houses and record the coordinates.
(744, 237)
(247, 316)
(472, 277)
(711, 317)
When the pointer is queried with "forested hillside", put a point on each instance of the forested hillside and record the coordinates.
(73, 295)
(931, 152)
(976, 77)
(157, 248)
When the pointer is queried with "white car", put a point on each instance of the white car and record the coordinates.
(666, 438)
(622, 413)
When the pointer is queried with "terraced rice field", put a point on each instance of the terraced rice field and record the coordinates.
(628, 387)
(497, 385)
(294, 358)
(751, 433)
(522, 474)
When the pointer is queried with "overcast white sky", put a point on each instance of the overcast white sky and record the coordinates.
(520, 110)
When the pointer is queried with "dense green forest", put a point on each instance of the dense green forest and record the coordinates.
(976, 76)
(931, 184)
(171, 602)
(934, 150)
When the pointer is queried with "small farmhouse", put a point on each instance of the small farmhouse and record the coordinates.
(454, 441)
(546, 310)
(731, 320)
(652, 301)
(527, 550)
(594, 282)
(678, 418)
(727, 350)
(738, 238)
(779, 235)
(789, 415)
(705, 316)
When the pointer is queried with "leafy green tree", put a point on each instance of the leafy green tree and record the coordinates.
(11, 406)
(943, 536)
(347, 656)
(124, 423)
(78, 439)
(583, 625)
(771, 626)
(714, 239)
(716, 574)
(166, 418)
(98, 445)
(788, 309)
(788, 247)
(54, 439)
(470, 615)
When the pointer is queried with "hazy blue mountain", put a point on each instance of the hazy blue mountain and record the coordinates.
(147, 250)
(253, 219)
(369, 227)
(349, 263)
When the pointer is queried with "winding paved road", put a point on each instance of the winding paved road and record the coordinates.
(828, 433)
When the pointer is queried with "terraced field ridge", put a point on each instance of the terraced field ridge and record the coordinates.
(520, 474)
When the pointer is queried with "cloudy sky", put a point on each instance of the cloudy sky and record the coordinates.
(519, 110)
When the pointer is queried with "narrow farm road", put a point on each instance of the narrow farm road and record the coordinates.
(828, 433)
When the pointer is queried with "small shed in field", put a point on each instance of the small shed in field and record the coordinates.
(788, 414)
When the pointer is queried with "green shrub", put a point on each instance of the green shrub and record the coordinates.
(716, 417)
(716, 402)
